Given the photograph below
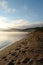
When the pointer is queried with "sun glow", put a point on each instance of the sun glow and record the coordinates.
(3, 26)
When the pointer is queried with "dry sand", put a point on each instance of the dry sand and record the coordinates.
(28, 51)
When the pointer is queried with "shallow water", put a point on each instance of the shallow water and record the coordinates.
(7, 38)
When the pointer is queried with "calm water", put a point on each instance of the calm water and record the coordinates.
(7, 38)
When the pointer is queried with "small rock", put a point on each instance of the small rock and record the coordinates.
(18, 62)
(13, 54)
(24, 51)
(17, 48)
(26, 60)
(40, 61)
(10, 63)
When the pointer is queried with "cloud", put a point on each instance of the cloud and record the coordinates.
(20, 23)
(3, 23)
(12, 24)
(2, 18)
(4, 5)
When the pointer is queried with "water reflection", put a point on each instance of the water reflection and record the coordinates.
(6, 38)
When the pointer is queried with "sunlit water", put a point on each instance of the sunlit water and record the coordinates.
(7, 38)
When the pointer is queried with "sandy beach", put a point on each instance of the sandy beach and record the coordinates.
(28, 51)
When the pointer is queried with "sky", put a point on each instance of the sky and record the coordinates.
(16, 13)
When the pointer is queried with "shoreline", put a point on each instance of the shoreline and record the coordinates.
(28, 50)
(14, 41)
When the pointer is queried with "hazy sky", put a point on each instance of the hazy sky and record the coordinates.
(20, 13)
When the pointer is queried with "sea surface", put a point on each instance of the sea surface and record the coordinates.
(7, 38)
